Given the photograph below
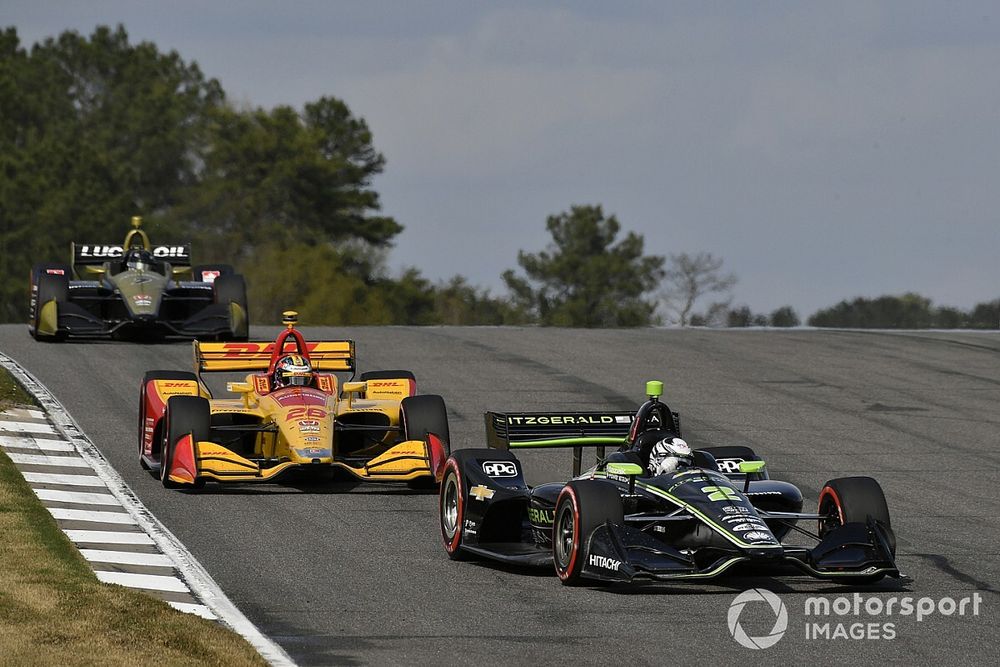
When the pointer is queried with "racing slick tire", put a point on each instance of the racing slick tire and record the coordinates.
(231, 288)
(425, 414)
(849, 499)
(50, 286)
(420, 415)
(451, 509)
(207, 273)
(582, 507)
(155, 375)
(737, 452)
(184, 415)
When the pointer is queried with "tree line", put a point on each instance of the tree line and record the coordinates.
(96, 129)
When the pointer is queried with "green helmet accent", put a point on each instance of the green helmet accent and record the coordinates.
(654, 389)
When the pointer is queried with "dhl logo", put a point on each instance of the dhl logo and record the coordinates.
(237, 350)
(393, 383)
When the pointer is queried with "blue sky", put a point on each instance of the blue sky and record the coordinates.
(824, 150)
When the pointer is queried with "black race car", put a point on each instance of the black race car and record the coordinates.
(136, 289)
(616, 522)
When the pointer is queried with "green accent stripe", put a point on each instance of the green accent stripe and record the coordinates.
(568, 442)
(704, 517)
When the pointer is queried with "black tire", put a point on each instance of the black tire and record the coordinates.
(737, 452)
(184, 415)
(154, 375)
(50, 286)
(582, 507)
(451, 509)
(232, 289)
(223, 269)
(850, 499)
(388, 375)
(420, 415)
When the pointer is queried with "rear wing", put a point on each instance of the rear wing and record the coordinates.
(331, 355)
(524, 430)
(86, 254)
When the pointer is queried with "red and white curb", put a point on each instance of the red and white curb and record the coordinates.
(120, 539)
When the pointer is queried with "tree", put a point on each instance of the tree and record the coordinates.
(784, 317)
(908, 311)
(688, 278)
(585, 278)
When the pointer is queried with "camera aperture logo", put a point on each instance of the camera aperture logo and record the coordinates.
(780, 620)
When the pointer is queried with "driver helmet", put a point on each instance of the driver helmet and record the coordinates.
(292, 370)
(668, 455)
(139, 259)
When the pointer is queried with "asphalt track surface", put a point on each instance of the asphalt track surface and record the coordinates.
(344, 574)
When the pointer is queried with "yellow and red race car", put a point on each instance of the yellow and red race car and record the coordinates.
(291, 413)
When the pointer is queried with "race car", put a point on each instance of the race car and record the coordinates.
(136, 289)
(617, 522)
(291, 413)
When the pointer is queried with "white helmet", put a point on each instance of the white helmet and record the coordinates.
(668, 455)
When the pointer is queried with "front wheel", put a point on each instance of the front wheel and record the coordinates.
(452, 510)
(185, 415)
(855, 499)
(582, 507)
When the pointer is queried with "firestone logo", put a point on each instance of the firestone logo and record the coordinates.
(780, 620)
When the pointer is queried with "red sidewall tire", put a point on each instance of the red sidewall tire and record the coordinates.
(452, 544)
(572, 570)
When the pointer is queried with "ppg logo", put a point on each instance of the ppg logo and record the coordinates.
(500, 469)
(729, 465)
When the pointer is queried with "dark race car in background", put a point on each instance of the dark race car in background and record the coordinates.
(616, 522)
(136, 289)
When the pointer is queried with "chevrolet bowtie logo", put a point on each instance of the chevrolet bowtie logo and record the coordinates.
(480, 492)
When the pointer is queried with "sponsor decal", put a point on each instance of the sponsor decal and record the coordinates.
(729, 465)
(142, 300)
(210, 276)
(744, 519)
(560, 419)
(500, 468)
(469, 527)
(308, 426)
(100, 251)
(480, 492)
(170, 251)
(618, 478)
(142, 280)
(311, 438)
(654, 418)
(541, 516)
(315, 451)
(764, 493)
(758, 536)
(743, 527)
(737, 509)
(623, 419)
(55, 272)
(605, 563)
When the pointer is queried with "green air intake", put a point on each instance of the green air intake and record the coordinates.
(654, 389)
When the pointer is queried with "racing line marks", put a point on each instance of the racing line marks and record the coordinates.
(122, 542)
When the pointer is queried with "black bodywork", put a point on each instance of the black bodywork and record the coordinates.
(694, 523)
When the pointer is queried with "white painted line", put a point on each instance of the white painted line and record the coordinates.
(44, 444)
(125, 557)
(196, 609)
(55, 495)
(21, 413)
(25, 427)
(67, 480)
(154, 582)
(108, 537)
(203, 587)
(43, 460)
(95, 516)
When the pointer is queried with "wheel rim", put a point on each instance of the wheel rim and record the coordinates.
(831, 511)
(449, 507)
(562, 540)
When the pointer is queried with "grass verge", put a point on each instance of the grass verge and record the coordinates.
(54, 611)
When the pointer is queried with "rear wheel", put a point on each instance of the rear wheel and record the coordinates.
(855, 499)
(451, 503)
(185, 415)
(231, 288)
(582, 507)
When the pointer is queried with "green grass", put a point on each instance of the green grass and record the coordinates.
(54, 611)
(12, 394)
